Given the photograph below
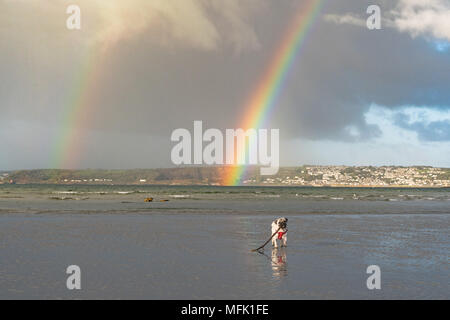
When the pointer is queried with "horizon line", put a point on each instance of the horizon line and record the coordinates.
(227, 166)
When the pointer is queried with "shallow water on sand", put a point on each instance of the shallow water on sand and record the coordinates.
(200, 248)
(200, 256)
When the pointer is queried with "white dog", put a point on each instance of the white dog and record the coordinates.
(280, 223)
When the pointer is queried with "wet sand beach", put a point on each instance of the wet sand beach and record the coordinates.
(195, 250)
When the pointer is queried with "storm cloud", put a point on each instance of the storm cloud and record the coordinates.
(159, 65)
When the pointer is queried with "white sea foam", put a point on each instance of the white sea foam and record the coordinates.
(65, 192)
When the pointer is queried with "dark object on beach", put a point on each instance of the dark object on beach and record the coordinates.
(148, 200)
(164, 200)
(262, 247)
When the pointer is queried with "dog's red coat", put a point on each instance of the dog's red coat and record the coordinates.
(280, 235)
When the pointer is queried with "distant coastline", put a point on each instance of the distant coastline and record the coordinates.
(307, 175)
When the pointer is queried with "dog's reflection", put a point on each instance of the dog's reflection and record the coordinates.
(279, 262)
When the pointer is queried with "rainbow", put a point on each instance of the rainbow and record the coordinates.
(67, 148)
(263, 99)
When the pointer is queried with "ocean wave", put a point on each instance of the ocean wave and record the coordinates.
(314, 196)
(65, 192)
(61, 198)
(67, 198)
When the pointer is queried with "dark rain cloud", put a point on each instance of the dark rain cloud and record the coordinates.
(144, 90)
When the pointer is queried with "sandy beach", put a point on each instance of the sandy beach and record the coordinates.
(196, 254)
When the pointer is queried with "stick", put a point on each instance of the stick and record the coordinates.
(255, 250)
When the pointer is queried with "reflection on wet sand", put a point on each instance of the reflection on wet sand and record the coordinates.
(279, 262)
(206, 256)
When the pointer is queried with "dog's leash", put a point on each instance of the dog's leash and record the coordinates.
(257, 250)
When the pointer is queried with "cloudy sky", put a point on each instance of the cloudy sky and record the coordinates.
(146, 67)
